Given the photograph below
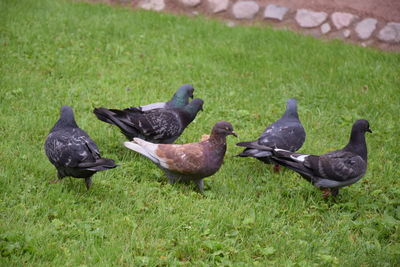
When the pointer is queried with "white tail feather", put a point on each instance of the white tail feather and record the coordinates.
(137, 148)
(147, 149)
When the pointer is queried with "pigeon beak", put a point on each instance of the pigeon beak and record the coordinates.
(234, 134)
(369, 130)
(191, 95)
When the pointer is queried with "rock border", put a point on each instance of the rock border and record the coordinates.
(365, 31)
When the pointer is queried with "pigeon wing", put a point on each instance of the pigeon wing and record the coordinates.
(185, 159)
(340, 166)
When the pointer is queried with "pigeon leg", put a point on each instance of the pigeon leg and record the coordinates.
(55, 181)
(88, 182)
(326, 192)
(171, 180)
(277, 168)
(200, 185)
(334, 191)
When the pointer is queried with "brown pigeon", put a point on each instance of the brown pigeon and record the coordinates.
(188, 162)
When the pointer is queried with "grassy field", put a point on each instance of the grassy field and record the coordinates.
(56, 52)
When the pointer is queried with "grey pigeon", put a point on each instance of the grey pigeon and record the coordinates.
(286, 133)
(161, 125)
(332, 170)
(180, 99)
(188, 162)
(71, 150)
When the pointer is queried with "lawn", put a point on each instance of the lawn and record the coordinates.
(56, 53)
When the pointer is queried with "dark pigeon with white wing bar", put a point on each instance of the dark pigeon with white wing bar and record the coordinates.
(332, 170)
(71, 150)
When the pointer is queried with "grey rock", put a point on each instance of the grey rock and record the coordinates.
(390, 33)
(275, 12)
(190, 3)
(325, 28)
(156, 5)
(341, 19)
(245, 9)
(346, 33)
(217, 6)
(365, 28)
(309, 19)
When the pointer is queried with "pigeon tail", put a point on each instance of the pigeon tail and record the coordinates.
(144, 148)
(110, 116)
(101, 164)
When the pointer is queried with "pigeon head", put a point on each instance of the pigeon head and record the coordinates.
(223, 128)
(66, 119)
(357, 142)
(291, 108)
(181, 97)
(194, 107)
(361, 126)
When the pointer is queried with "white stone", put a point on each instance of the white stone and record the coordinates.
(341, 20)
(245, 9)
(325, 28)
(230, 23)
(275, 12)
(390, 33)
(218, 5)
(365, 28)
(156, 5)
(308, 18)
(346, 33)
(190, 3)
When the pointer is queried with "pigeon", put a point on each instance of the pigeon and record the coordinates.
(332, 170)
(71, 150)
(286, 133)
(180, 99)
(161, 126)
(188, 162)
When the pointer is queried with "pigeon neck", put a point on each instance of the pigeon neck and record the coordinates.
(65, 122)
(192, 110)
(357, 144)
(290, 113)
(179, 100)
(217, 139)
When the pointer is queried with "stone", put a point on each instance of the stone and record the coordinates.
(346, 33)
(390, 33)
(217, 6)
(190, 3)
(156, 5)
(325, 28)
(230, 23)
(245, 9)
(275, 12)
(309, 19)
(365, 28)
(341, 19)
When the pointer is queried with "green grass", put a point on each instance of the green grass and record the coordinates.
(86, 55)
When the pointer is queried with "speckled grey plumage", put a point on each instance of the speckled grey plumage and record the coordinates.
(332, 170)
(71, 150)
(157, 126)
(286, 133)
